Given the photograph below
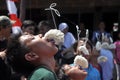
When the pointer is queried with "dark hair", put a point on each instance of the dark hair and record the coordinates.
(5, 22)
(28, 23)
(61, 74)
(16, 56)
(44, 23)
(76, 44)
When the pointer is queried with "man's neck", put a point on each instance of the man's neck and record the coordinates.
(48, 62)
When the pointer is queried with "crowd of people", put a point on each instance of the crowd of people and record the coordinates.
(30, 56)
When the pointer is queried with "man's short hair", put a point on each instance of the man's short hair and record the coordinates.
(4, 21)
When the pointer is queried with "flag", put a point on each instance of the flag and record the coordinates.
(16, 27)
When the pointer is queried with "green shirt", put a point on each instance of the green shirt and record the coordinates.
(43, 73)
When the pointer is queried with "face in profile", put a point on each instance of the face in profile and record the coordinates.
(39, 45)
(30, 29)
(43, 29)
(5, 32)
(74, 72)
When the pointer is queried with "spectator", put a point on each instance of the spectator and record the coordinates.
(43, 27)
(32, 55)
(69, 39)
(106, 62)
(87, 52)
(117, 57)
(115, 31)
(29, 26)
(100, 33)
(5, 31)
(117, 43)
(83, 31)
(68, 72)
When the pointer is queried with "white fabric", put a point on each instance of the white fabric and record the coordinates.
(105, 45)
(101, 59)
(112, 46)
(16, 30)
(98, 45)
(82, 61)
(55, 34)
(83, 49)
(11, 7)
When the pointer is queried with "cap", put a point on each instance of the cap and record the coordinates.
(62, 26)
(4, 21)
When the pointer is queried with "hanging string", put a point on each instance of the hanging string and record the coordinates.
(55, 10)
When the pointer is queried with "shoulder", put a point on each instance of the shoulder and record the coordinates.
(42, 74)
(69, 33)
(42, 71)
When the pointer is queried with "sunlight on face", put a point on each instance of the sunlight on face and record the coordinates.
(38, 44)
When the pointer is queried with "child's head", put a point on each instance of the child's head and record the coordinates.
(5, 27)
(29, 26)
(44, 26)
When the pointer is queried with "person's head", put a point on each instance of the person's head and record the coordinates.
(101, 26)
(44, 26)
(81, 26)
(27, 51)
(88, 46)
(63, 27)
(5, 26)
(74, 72)
(29, 26)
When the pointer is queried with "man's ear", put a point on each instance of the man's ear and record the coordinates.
(31, 56)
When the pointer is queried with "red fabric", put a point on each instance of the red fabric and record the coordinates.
(15, 0)
(13, 17)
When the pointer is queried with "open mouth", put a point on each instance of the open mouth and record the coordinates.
(51, 40)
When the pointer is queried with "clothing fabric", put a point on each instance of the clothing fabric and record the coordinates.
(97, 35)
(117, 51)
(43, 73)
(107, 67)
(93, 73)
(68, 40)
(62, 26)
(5, 70)
(3, 44)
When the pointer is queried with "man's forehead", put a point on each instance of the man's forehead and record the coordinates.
(25, 40)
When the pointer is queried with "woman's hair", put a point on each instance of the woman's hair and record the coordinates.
(16, 56)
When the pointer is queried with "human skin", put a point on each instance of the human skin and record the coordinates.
(43, 50)
(74, 72)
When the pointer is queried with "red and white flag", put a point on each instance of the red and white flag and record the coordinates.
(13, 16)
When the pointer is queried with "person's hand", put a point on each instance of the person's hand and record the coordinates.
(3, 54)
